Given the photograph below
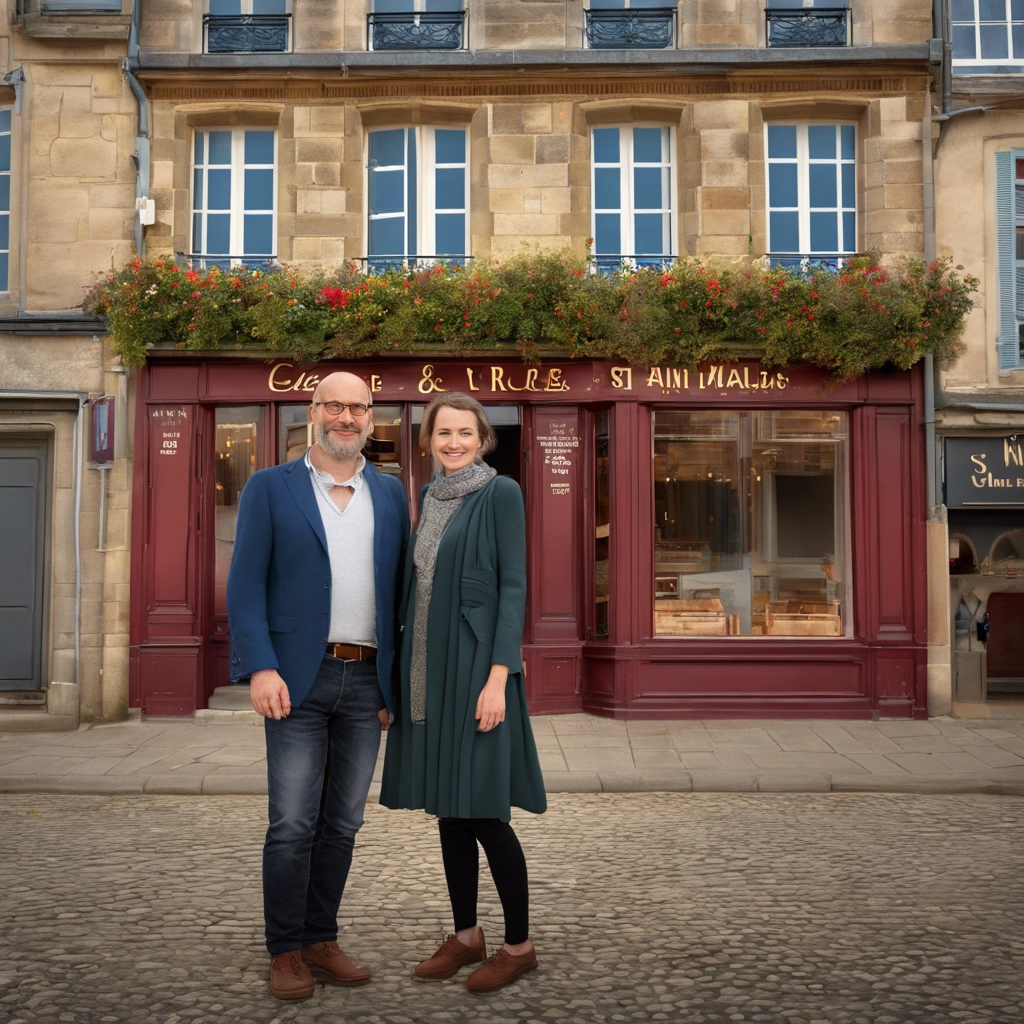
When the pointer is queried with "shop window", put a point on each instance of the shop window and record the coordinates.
(1007, 551)
(987, 34)
(5, 199)
(633, 192)
(750, 524)
(247, 26)
(416, 25)
(419, 197)
(234, 197)
(602, 523)
(383, 448)
(1010, 253)
(963, 559)
(812, 194)
(630, 24)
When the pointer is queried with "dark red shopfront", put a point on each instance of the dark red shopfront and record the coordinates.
(722, 542)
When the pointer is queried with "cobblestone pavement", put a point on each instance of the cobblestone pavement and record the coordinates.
(695, 908)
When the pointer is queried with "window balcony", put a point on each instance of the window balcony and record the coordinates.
(385, 263)
(808, 26)
(246, 33)
(610, 263)
(420, 30)
(652, 28)
(207, 261)
(808, 263)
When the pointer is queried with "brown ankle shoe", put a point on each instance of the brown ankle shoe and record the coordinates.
(450, 957)
(500, 969)
(290, 977)
(331, 964)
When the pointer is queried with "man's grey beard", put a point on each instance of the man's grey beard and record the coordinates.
(338, 450)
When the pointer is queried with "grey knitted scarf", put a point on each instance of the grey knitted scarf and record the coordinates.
(443, 499)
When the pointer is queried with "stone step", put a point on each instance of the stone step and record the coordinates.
(231, 698)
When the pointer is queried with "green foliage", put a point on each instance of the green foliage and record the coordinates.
(864, 317)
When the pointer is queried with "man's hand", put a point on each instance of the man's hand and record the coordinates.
(490, 706)
(269, 694)
(385, 719)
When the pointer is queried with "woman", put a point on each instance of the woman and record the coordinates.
(461, 746)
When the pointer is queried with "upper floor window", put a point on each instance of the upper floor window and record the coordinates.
(5, 198)
(418, 196)
(633, 196)
(416, 25)
(1010, 245)
(812, 192)
(630, 24)
(987, 32)
(234, 189)
(247, 26)
(81, 6)
(808, 23)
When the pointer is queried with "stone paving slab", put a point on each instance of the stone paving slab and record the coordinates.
(221, 753)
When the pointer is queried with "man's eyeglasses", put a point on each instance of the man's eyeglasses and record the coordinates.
(337, 408)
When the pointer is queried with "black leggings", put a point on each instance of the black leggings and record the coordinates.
(508, 869)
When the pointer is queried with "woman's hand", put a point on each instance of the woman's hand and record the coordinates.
(490, 706)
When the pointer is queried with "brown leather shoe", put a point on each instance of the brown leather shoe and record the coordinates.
(329, 963)
(500, 969)
(450, 957)
(290, 977)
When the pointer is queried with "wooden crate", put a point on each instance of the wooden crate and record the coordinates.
(679, 604)
(690, 624)
(797, 624)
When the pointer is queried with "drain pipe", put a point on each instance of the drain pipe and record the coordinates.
(144, 213)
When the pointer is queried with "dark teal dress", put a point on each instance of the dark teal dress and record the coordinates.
(477, 608)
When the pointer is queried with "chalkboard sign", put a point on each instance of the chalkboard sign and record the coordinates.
(982, 472)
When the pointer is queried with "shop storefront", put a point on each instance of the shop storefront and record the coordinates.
(727, 541)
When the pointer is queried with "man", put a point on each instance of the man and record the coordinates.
(312, 596)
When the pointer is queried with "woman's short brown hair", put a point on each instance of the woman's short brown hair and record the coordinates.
(466, 403)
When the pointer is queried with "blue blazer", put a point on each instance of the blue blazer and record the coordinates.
(279, 585)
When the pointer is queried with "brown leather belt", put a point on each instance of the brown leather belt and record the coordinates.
(351, 652)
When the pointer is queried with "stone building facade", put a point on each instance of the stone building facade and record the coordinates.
(67, 139)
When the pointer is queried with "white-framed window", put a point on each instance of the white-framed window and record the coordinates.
(247, 26)
(1010, 246)
(812, 189)
(5, 198)
(987, 33)
(416, 25)
(82, 6)
(234, 195)
(418, 189)
(633, 189)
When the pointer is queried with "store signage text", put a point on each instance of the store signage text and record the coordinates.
(985, 471)
(723, 377)
(168, 422)
(284, 378)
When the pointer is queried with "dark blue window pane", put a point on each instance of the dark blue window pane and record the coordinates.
(258, 234)
(4, 284)
(218, 234)
(849, 232)
(392, 6)
(387, 191)
(411, 209)
(1017, 9)
(782, 140)
(649, 232)
(200, 139)
(824, 232)
(848, 141)
(821, 142)
(963, 10)
(607, 233)
(269, 7)
(991, 10)
(785, 231)
(849, 173)
(1018, 41)
(197, 233)
(784, 4)
(5, 152)
(197, 189)
(607, 5)
(444, 5)
(450, 234)
(647, 190)
(5, 120)
(450, 189)
(387, 237)
(218, 190)
(225, 7)
(606, 145)
(259, 147)
(387, 148)
(5, 231)
(964, 42)
(449, 145)
(5, 191)
(220, 147)
(647, 145)
(822, 185)
(782, 187)
(606, 188)
(994, 44)
(259, 189)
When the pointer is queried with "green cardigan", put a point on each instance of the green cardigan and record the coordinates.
(477, 607)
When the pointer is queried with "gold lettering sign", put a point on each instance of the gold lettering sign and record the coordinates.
(281, 379)
(721, 378)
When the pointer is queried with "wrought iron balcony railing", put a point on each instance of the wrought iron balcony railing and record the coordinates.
(806, 263)
(247, 33)
(207, 261)
(382, 264)
(608, 263)
(427, 30)
(808, 26)
(633, 28)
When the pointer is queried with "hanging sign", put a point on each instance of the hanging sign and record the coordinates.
(984, 471)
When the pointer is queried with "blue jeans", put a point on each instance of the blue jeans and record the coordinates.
(320, 762)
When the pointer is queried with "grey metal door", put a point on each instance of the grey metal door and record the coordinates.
(22, 550)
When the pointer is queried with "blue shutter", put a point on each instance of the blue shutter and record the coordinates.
(1009, 337)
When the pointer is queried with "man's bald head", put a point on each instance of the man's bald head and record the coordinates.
(342, 386)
